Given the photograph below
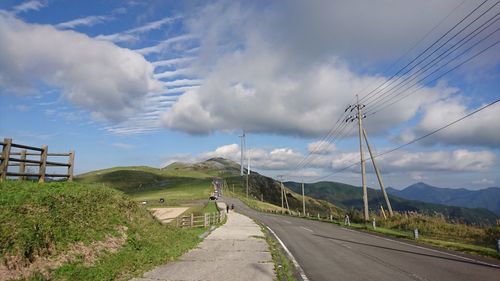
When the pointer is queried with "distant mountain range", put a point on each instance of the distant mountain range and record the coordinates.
(488, 198)
(349, 196)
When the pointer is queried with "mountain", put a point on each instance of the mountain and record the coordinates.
(349, 196)
(182, 176)
(488, 198)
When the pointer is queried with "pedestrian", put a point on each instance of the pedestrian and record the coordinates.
(227, 209)
(232, 206)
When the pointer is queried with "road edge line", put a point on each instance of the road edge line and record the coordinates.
(294, 261)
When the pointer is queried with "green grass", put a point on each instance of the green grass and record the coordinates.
(282, 265)
(44, 221)
(452, 243)
(178, 192)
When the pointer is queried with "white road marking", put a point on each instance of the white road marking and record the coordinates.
(423, 248)
(294, 261)
(305, 228)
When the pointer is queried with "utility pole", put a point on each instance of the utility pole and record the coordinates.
(242, 148)
(303, 199)
(248, 170)
(378, 175)
(286, 200)
(281, 189)
(360, 116)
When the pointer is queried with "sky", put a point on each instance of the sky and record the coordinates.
(153, 82)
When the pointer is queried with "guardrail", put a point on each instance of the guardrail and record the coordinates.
(23, 151)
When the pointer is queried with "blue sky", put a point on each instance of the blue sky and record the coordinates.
(152, 82)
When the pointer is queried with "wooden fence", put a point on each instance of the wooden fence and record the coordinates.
(23, 151)
(204, 220)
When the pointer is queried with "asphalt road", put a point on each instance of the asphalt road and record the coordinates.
(330, 252)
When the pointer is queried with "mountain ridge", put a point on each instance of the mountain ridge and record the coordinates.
(488, 198)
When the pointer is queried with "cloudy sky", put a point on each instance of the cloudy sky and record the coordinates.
(152, 82)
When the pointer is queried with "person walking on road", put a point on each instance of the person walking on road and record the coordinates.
(227, 209)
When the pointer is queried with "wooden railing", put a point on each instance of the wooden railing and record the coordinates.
(23, 151)
(204, 220)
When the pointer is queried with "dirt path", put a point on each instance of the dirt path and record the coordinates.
(166, 215)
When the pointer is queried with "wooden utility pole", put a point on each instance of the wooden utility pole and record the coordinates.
(248, 169)
(363, 171)
(378, 175)
(286, 200)
(303, 200)
(281, 189)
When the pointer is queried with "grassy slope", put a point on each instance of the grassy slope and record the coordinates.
(181, 183)
(44, 221)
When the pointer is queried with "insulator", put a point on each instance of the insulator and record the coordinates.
(347, 108)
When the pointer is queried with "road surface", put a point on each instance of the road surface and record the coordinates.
(330, 252)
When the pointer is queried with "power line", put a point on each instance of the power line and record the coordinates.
(338, 130)
(414, 140)
(367, 96)
(440, 58)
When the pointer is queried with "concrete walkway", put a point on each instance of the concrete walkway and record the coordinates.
(231, 252)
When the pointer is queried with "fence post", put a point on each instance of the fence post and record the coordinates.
(5, 158)
(205, 222)
(43, 164)
(71, 162)
(192, 219)
(22, 165)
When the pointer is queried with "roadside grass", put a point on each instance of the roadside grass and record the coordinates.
(282, 264)
(423, 239)
(43, 223)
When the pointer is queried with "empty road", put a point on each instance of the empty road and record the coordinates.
(330, 252)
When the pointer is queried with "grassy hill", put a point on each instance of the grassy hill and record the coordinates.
(181, 183)
(349, 196)
(75, 231)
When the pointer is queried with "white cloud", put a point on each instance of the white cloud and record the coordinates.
(172, 62)
(481, 128)
(484, 182)
(165, 44)
(277, 77)
(32, 5)
(132, 34)
(460, 160)
(109, 81)
(86, 21)
(321, 147)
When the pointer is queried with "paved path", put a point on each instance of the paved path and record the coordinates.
(231, 252)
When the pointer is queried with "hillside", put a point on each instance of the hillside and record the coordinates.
(348, 196)
(74, 231)
(488, 198)
(172, 181)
